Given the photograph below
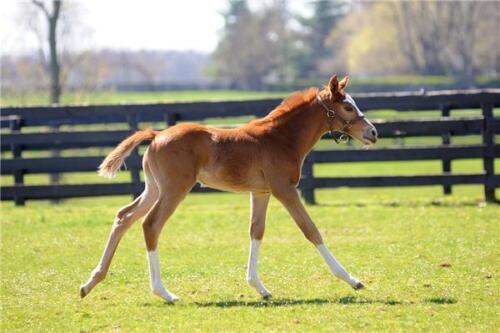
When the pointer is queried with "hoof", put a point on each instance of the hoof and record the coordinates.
(166, 296)
(267, 297)
(172, 299)
(359, 286)
(83, 293)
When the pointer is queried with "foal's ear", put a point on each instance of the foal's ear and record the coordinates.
(333, 84)
(343, 83)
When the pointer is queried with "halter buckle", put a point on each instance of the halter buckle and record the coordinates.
(344, 138)
(347, 125)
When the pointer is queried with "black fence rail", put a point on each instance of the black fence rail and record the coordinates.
(21, 134)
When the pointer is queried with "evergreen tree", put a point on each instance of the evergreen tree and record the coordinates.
(326, 15)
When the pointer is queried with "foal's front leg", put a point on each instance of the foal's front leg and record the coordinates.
(291, 200)
(258, 202)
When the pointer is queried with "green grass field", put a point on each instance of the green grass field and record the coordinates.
(113, 97)
(430, 263)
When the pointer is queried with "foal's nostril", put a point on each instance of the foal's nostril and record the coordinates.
(374, 133)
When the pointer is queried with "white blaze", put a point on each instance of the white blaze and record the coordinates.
(350, 100)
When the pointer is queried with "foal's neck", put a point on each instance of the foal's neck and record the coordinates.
(302, 128)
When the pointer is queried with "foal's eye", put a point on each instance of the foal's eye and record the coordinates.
(348, 109)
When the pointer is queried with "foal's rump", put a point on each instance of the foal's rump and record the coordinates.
(169, 137)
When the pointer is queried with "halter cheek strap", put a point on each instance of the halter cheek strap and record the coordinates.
(346, 124)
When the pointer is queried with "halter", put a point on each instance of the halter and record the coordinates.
(346, 124)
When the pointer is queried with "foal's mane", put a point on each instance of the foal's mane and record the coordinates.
(295, 101)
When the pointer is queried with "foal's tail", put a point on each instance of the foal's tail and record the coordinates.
(109, 167)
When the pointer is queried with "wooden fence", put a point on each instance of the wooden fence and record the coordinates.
(21, 134)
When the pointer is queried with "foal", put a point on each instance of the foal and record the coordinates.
(263, 157)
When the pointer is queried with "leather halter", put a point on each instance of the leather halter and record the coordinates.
(346, 124)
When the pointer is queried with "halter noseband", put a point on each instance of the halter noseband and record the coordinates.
(346, 124)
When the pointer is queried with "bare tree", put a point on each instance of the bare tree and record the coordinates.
(52, 16)
(442, 37)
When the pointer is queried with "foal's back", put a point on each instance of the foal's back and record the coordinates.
(226, 159)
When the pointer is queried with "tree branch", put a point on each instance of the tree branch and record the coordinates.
(42, 7)
(56, 9)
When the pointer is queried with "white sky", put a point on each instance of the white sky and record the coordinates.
(132, 24)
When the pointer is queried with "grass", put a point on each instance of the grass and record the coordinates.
(406, 80)
(123, 97)
(430, 263)
(112, 97)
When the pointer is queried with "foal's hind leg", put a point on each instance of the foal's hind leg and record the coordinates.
(171, 196)
(125, 217)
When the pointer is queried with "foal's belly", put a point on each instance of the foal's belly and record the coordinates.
(234, 181)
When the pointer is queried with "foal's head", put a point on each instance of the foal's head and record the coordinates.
(343, 113)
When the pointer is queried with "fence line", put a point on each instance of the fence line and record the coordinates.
(18, 118)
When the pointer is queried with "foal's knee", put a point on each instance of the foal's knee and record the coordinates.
(256, 230)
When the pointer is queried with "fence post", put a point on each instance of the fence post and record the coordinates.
(135, 171)
(446, 162)
(15, 127)
(489, 152)
(55, 178)
(307, 183)
(170, 119)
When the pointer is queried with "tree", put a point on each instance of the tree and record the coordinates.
(63, 40)
(444, 37)
(326, 15)
(52, 16)
(427, 38)
(365, 43)
(253, 47)
(236, 10)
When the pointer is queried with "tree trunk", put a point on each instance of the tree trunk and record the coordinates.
(55, 83)
(55, 71)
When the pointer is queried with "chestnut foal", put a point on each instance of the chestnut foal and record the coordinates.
(263, 157)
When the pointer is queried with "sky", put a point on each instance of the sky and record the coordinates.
(129, 24)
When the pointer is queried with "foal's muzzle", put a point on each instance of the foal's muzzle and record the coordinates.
(370, 134)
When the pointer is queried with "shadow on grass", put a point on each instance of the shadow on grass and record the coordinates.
(441, 300)
(284, 302)
(347, 300)
(412, 204)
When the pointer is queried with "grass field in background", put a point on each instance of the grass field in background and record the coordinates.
(466, 166)
(430, 263)
(123, 97)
